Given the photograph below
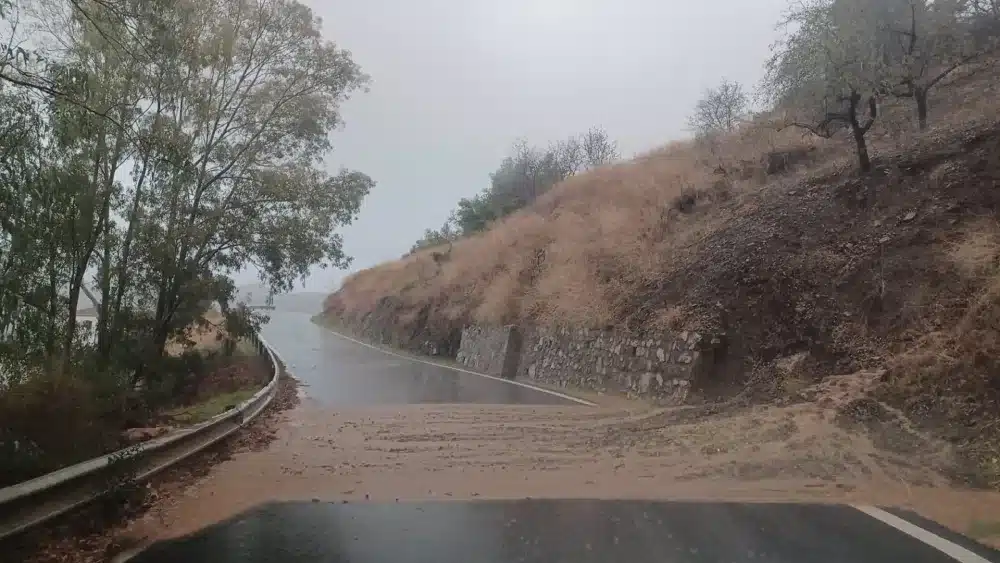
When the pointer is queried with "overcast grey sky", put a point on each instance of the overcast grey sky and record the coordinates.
(455, 82)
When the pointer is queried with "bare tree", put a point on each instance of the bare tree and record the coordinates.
(719, 110)
(828, 73)
(927, 41)
(598, 148)
(989, 9)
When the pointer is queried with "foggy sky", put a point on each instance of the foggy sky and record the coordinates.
(456, 82)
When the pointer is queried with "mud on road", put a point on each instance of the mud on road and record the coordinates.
(801, 452)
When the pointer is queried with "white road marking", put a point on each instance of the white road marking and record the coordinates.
(949, 548)
(453, 368)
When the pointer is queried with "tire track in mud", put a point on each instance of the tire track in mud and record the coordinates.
(800, 452)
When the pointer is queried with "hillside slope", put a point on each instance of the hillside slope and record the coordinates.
(808, 270)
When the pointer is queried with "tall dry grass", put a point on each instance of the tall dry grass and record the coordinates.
(580, 253)
(578, 250)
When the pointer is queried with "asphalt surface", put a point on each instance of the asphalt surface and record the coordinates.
(555, 531)
(339, 373)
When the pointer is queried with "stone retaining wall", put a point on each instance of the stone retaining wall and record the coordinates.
(382, 326)
(489, 350)
(663, 368)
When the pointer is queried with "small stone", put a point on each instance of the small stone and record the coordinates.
(661, 354)
(883, 240)
(910, 216)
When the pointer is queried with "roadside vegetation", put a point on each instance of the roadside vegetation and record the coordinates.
(148, 152)
(839, 216)
(209, 408)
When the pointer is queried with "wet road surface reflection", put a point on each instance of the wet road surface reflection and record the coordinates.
(552, 531)
(338, 372)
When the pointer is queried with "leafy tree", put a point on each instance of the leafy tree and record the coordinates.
(476, 213)
(523, 176)
(151, 150)
(243, 186)
(437, 237)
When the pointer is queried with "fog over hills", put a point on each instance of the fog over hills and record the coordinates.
(297, 302)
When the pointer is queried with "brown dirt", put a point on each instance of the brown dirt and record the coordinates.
(802, 452)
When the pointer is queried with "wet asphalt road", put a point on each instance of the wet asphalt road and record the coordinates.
(340, 373)
(546, 531)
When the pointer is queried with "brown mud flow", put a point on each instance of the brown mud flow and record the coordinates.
(815, 451)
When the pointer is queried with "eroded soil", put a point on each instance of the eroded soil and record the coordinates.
(825, 449)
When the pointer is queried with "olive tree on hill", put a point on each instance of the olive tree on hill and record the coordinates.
(828, 73)
(927, 41)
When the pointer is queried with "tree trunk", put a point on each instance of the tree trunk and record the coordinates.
(123, 261)
(864, 161)
(74, 301)
(103, 320)
(50, 333)
(920, 96)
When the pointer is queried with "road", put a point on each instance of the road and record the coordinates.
(375, 466)
(342, 373)
(547, 531)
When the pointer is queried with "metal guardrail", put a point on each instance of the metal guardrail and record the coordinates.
(30, 503)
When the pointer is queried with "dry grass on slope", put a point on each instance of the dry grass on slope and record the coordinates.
(576, 254)
(584, 251)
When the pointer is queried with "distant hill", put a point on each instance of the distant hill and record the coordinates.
(253, 294)
(303, 302)
(297, 302)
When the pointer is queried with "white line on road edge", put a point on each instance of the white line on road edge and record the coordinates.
(453, 368)
(951, 549)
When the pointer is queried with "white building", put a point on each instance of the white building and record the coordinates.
(87, 324)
